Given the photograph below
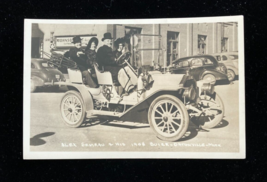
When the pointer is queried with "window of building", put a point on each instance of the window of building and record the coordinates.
(172, 47)
(224, 44)
(133, 44)
(202, 44)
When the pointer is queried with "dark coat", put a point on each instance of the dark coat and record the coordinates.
(117, 53)
(81, 62)
(91, 58)
(105, 57)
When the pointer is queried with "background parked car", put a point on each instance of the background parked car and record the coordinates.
(44, 74)
(201, 67)
(230, 59)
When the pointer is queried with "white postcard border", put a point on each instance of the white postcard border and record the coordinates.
(27, 154)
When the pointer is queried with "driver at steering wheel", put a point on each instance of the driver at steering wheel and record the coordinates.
(120, 47)
(106, 58)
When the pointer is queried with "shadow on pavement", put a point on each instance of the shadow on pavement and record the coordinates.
(90, 123)
(191, 133)
(226, 82)
(223, 82)
(222, 124)
(36, 140)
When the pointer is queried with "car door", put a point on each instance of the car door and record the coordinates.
(196, 68)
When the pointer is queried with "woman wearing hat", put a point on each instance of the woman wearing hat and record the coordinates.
(119, 43)
(90, 52)
(75, 54)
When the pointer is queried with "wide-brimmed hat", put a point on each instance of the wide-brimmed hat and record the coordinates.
(107, 36)
(119, 41)
(93, 39)
(76, 39)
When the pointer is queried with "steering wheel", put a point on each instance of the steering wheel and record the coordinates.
(122, 59)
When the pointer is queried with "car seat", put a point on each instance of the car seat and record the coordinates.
(75, 75)
(103, 78)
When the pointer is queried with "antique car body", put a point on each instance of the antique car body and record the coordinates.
(230, 59)
(201, 67)
(43, 74)
(167, 101)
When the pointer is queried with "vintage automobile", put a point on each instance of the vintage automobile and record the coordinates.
(201, 67)
(166, 101)
(44, 74)
(230, 59)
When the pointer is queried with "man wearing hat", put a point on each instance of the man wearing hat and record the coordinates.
(106, 58)
(76, 54)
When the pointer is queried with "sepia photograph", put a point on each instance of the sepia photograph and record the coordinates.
(143, 88)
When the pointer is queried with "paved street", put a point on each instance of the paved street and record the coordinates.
(49, 133)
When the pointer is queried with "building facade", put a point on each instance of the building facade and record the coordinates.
(149, 43)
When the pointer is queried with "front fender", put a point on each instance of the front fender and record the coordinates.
(233, 68)
(138, 112)
(85, 93)
(205, 72)
(38, 81)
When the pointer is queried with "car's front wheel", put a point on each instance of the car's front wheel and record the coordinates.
(213, 111)
(72, 109)
(168, 118)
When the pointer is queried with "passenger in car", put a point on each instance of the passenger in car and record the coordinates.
(106, 58)
(90, 52)
(75, 54)
(119, 44)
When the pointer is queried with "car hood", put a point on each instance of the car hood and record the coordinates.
(167, 80)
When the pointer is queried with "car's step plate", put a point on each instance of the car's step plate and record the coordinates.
(94, 113)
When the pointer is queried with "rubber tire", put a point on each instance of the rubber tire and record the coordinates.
(184, 113)
(78, 95)
(33, 87)
(209, 125)
(209, 75)
(233, 74)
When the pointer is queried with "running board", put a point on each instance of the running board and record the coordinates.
(95, 113)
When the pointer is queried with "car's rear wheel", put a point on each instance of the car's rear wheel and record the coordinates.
(231, 75)
(33, 86)
(213, 111)
(72, 109)
(168, 118)
(210, 78)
